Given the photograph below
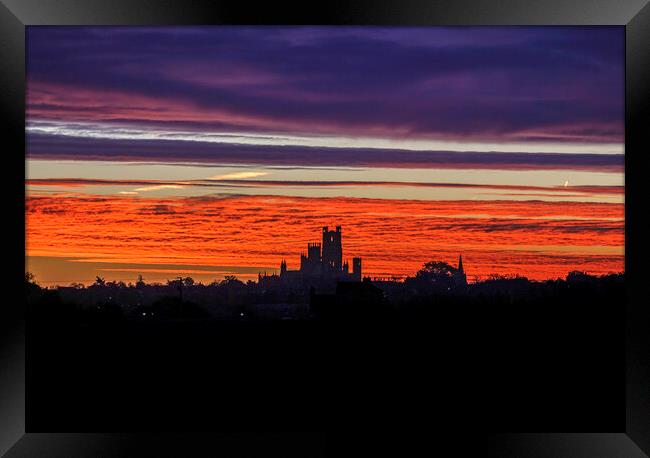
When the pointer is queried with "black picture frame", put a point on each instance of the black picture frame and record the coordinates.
(15, 15)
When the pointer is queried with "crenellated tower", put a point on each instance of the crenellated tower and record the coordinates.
(332, 249)
(356, 269)
(310, 264)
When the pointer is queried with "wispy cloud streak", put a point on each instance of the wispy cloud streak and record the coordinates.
(111, 131)
(61, 147)
(150, 185)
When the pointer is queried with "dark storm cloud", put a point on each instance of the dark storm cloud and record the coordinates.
(524, 83)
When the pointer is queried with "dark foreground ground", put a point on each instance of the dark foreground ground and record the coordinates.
(552, 365)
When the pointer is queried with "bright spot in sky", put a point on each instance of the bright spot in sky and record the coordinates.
(159, 186)
(238, 175)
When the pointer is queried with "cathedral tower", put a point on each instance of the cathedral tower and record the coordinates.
(356, 269)
(332, 249)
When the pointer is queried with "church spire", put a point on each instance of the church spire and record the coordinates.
(459, 276)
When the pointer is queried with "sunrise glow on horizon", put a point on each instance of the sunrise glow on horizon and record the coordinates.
(213, 151)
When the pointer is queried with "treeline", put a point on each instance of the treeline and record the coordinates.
(179, 298)
(433, 290)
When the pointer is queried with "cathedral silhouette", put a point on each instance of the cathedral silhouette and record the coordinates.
(322, 266)
(324, 261)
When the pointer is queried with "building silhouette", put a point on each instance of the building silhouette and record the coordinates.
(321, 266)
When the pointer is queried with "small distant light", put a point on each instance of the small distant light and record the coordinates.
(144, 314)
(241, 314)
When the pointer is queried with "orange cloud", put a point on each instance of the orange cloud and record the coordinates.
(537, 239)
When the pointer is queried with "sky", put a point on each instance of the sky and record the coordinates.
(212, 151)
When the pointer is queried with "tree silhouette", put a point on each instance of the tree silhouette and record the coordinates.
(436, 270)
(435, 276)
(578, 276)
(33, 289)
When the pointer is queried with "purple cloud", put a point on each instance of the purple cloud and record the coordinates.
(523, 83)
(62, 147)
